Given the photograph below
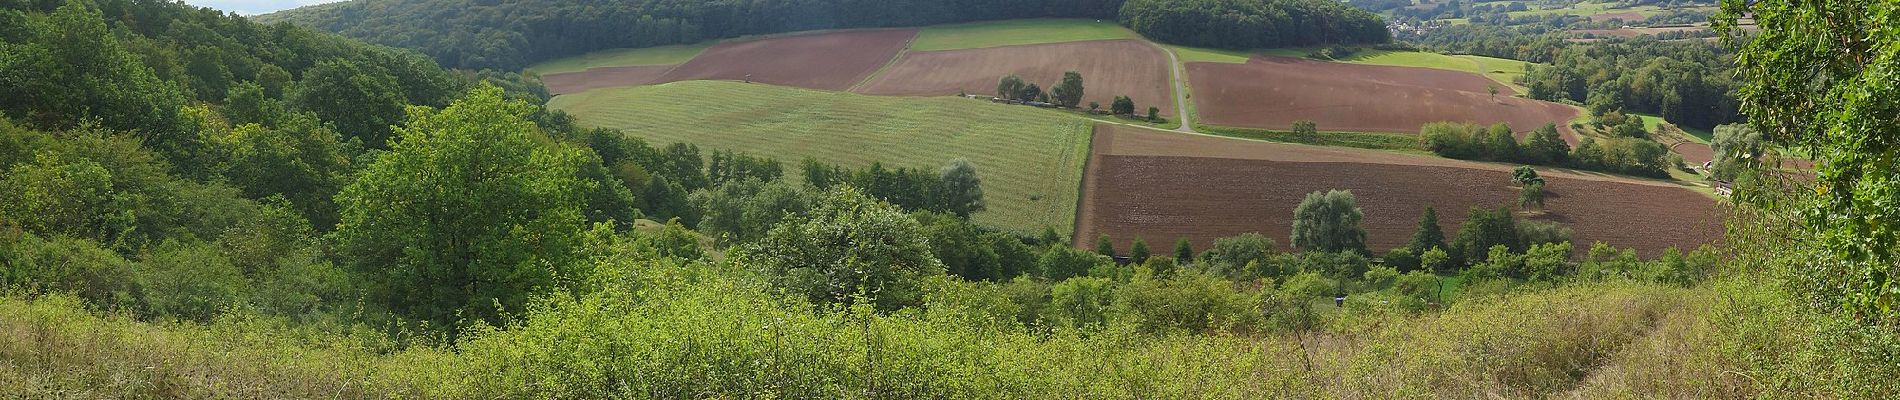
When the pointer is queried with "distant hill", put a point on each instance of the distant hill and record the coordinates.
(510, 35)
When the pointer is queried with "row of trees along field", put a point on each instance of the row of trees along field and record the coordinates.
(1631, 154)
(1253, 24)
(511, 35)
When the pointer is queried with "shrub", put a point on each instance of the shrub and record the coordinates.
(190, 280)
(1080, 302)
(849, 246)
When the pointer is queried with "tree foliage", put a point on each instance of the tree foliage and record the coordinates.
(466, 212)
(1253, 24)
(1328, 222)
(848, 247)
(1821, 76)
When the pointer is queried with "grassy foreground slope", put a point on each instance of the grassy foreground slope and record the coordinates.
(1016, 32)
(1030, 159)
(663, 55)
(1611, 340)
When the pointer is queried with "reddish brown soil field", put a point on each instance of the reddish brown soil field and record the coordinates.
(1109, 68)
(1151, 185)
(828, 61)
(1694, 153)
(1273, 92)
(595, 78)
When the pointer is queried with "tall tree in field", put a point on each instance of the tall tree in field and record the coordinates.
(1069, 92)
(1104, 246)
(1138, 252)
(467, 211)
(1428, 235)
(1825, 76)
(1329, 222)
(962, 189)
(1483, 229)
(1010, 87)
(1122, 106)
(1183, 250)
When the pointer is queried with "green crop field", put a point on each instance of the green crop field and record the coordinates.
(1016, 32)
(1030, 159)
(1504, 71)
(663, 55)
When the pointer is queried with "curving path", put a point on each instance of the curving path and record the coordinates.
(1180, 89)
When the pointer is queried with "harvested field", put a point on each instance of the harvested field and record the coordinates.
(828, 61)
(1273, 92)
(1109, 68)
(1162, 186)
(596, 78)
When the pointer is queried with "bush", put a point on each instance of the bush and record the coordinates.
(1060, 263)
(1080, 302)
(1231, 255)
(72, 265)
(190, 280)
(849, 246)
(1192, 302)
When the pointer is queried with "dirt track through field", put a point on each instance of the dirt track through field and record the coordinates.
(827, 61)
(1109, 68)
(595, 78)
(1273, 92)
(1162, 186)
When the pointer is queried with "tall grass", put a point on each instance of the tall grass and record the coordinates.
(699, 331)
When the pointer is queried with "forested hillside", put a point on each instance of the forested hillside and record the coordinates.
(513, 34)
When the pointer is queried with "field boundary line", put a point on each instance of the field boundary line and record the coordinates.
(887, 64)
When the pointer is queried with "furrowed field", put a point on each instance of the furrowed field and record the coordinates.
(1030, 160)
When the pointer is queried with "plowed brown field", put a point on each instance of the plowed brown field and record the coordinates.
(595, 78)
(1694, 153)
(1162, 186)
(1273, 92)
(828, 61)
(1109, 68)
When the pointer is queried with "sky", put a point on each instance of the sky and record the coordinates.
(255, 7)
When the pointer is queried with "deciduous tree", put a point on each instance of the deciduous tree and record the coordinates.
(1329, 222)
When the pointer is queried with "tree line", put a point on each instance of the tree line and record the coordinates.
(1632, 155)
(513, 35)
(1253, 24)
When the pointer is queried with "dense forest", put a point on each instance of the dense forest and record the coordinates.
(1686, 82)
(512, 35)
(1253, 24)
